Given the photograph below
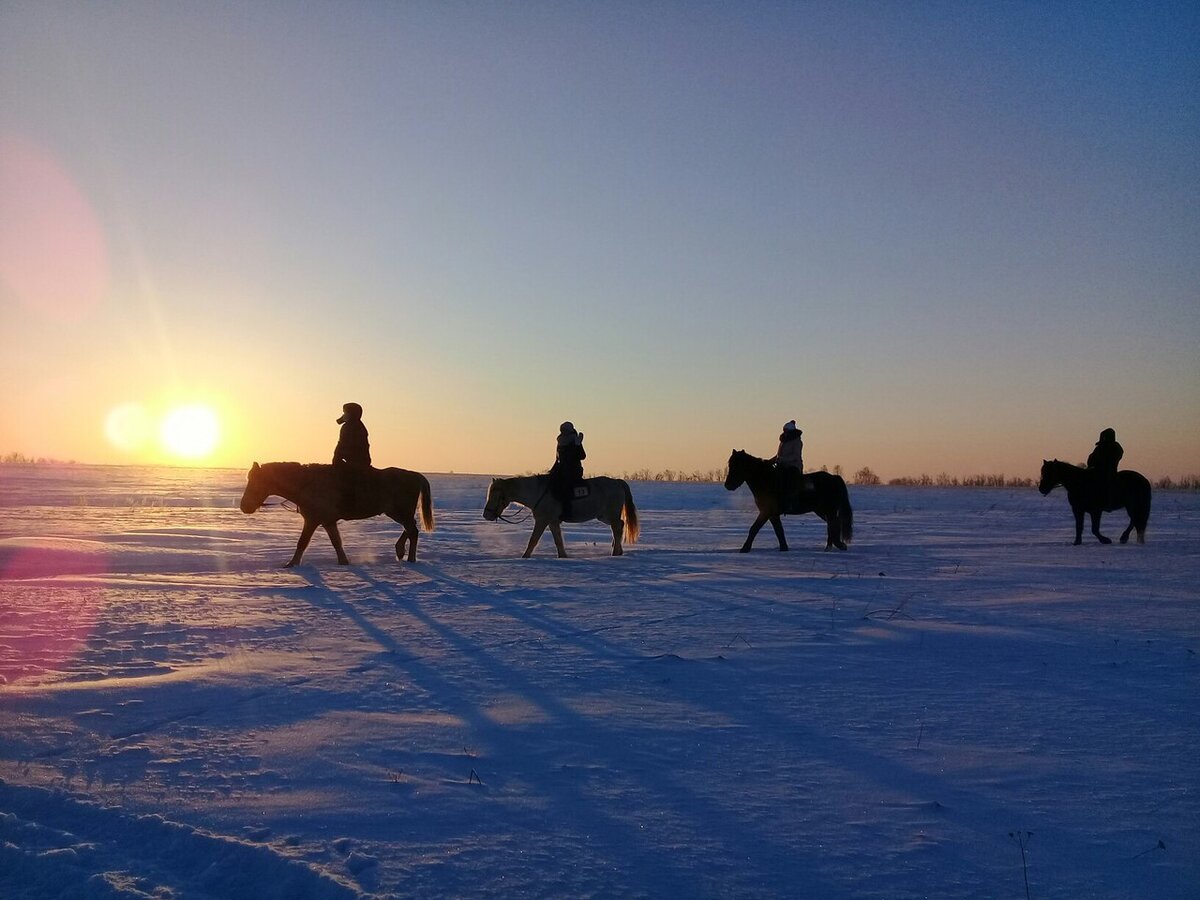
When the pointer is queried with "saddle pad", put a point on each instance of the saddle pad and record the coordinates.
(580, 491)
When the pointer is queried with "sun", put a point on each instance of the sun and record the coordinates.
(191, 432)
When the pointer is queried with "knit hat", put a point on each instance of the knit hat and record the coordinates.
(790, 426)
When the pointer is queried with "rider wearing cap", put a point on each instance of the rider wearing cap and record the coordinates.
(352, 455)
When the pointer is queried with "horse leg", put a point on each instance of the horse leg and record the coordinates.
(777, 524)
(556, 533)
(617, 526)
(335, 538)
(1095, 514)
(1125, 534)
(833, 533)
(409, 538)
(754, 529)
(305, 536)
(538, 527)
(1078, 526)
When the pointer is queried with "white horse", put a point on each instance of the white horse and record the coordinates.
(608, 500)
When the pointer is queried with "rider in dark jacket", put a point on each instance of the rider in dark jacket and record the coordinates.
(352, 455)
(353, 447)
(567, 470)
(1103, 461)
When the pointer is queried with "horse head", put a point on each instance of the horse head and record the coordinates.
(256, 491)
(736, 474)
(1048, 480)
(497, 500)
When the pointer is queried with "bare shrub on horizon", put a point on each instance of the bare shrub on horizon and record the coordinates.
(20, 459)
(945, 480)
(865, 476)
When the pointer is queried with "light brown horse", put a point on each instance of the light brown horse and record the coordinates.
(317, 491)
(609, 500)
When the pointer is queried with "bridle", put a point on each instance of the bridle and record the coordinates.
(282, 502)
(521, 517)
(498, 514)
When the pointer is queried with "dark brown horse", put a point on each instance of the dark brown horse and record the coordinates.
(319, 495)
(825, 495)
(1087, 493)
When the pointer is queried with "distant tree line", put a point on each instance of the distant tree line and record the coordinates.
(709, 476)
(864, 476)
(20, 459)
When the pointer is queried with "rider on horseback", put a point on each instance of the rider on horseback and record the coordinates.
(1103, 462)
(789, 463)
(352, 455)
(567, 471)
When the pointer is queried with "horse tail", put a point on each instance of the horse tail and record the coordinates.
(845, 514)
(629, 514)
(426, 504)
(1138, 505)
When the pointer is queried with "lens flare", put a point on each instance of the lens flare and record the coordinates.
(191, 432)
(53, 255)
(128, 427)
(44, 637)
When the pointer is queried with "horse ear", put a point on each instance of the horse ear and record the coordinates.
(254, 468)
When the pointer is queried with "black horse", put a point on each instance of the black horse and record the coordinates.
(1088, 493)
(825, 495)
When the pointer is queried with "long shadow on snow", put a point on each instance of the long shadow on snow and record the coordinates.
(650, 865)
(839, 753)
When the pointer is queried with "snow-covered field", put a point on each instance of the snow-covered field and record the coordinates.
(180, 717)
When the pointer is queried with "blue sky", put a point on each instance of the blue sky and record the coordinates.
(942, 236)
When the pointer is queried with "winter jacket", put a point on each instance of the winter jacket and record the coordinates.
(568, 458)
(791, 450)
(1107, 454)
(353, 447)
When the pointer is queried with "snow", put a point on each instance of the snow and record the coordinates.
(181, 717)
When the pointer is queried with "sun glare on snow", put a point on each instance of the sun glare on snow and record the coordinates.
(190, 432)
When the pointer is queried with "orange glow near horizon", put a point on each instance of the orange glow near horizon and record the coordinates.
(177, 433)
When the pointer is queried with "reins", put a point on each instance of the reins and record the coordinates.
(518, 519)
(528, 512)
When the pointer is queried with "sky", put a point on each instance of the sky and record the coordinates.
(942, 237)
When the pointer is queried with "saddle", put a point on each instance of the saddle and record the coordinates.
(355, 484)
(794, 491)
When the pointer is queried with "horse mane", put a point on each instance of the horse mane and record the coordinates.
(295, 465)
(1061, 462)
(752, 459)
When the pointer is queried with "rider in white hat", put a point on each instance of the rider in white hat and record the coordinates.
(789, 461)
